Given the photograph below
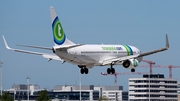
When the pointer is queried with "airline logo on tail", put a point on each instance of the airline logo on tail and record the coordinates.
(58, 32)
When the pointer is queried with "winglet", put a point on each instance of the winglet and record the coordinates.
(167, 42)
(5, 43)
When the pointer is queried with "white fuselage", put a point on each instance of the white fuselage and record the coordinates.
(94, 55)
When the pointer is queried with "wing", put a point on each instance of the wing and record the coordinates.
(56, 47)
(39, 47)
(121, 59)
(158, 50)
(49, 56)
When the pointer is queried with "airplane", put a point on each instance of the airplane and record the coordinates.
(86, 56)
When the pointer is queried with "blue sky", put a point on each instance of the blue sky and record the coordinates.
(141, 23)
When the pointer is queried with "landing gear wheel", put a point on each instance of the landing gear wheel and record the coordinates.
(132, 70)
(112, 70)
(109, 70)
(86, 70)
(82, 70)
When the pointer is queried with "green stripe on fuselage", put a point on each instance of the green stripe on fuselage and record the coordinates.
(127, 49)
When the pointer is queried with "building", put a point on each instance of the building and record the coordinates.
(154, 87)
(179, 91)
(178, 88)
(71, 92)
(125, 96)
(24, 87)
(113, 93)
(20, 91)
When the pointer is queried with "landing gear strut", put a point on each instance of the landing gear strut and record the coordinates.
(83, 70)
(111, 70)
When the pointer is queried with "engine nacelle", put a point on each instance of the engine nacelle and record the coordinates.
(130, 63)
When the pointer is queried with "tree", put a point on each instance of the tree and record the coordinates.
(102, 98)
(6, 97)
(43, 96)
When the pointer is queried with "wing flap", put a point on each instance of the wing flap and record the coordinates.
(50, 56)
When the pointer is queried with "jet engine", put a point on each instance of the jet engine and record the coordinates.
(130, 63)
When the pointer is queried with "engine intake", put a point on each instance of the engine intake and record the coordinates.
(130, 63)
(126, 64)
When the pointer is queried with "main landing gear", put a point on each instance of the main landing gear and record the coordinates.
(111, 70)
(83, 69)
